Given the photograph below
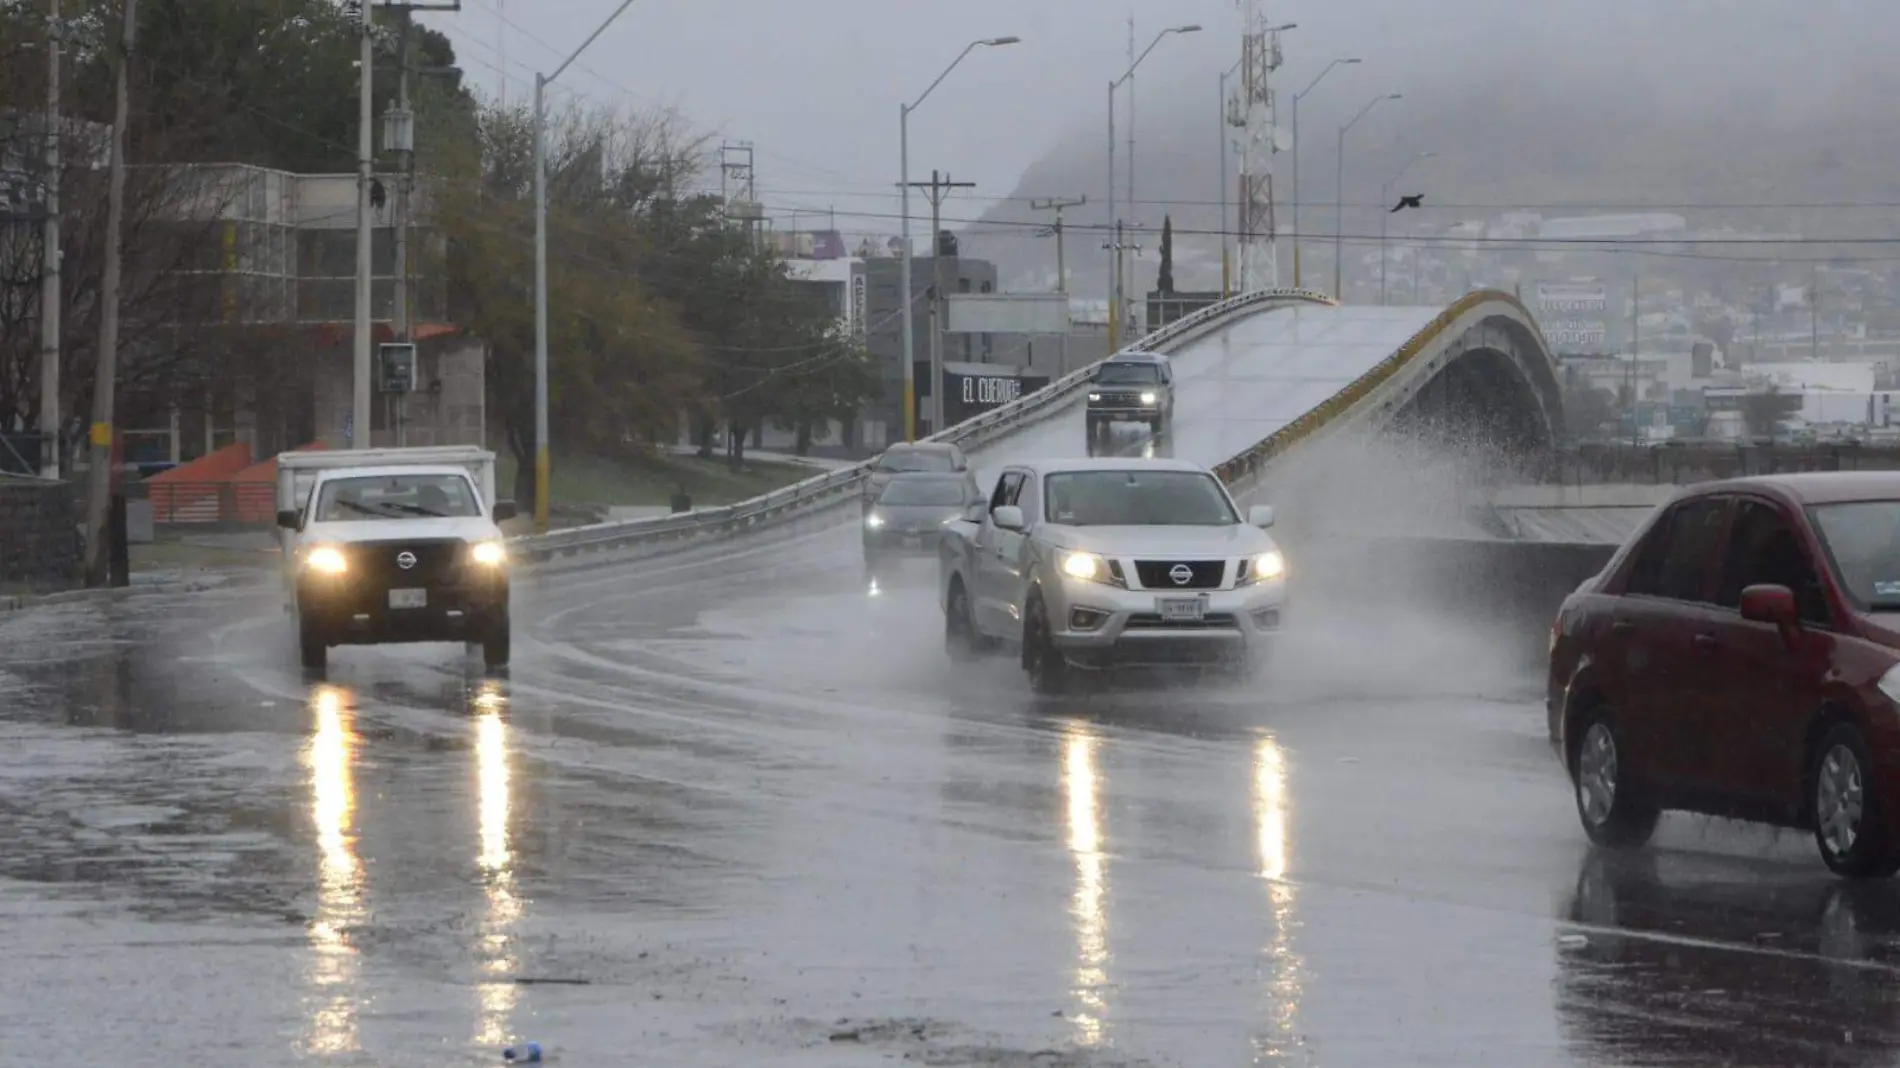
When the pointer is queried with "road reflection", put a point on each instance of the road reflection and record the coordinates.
(330, 760)
(1087, 906)
(496, 990)
(1717, 960)
(1285, 971)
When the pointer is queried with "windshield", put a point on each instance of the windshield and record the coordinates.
(901, 460)
(1137, 498)
(1128, 374)
(923, 491)
(1863, 540)
(396, 497)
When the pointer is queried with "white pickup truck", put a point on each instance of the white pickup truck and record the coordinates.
(394, 545)
(1111, 563)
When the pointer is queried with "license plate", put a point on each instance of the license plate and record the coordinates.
(408, 598)
(1181, 609)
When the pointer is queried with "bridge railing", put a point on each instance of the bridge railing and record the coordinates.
(1253, 461)
(834, 486)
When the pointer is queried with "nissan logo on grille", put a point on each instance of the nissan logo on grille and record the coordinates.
(407, 560)
(1181, 574)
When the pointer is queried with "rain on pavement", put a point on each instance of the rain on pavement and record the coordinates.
(734, 807)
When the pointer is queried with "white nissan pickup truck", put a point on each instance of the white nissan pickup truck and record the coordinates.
(394, 545)
(1089, 565)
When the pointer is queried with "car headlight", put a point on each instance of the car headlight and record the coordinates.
(1095, 397)
(874, 521)
(1148, 398)
(1889, 684)
(488, 553)
(326, 560)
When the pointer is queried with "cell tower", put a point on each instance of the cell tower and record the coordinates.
(1252, 108)
(737, 187)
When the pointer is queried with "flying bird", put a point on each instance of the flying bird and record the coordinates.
(1413, 201)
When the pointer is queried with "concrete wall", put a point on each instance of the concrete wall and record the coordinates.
(1508, 590)
(447, 408)
(39, 543)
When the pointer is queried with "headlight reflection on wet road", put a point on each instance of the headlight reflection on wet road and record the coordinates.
(330, 756)
(1086, 907)
(496, 991)
(1285, 970)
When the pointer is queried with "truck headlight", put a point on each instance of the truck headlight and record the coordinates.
(1148, 398)
(1095, 398)
(1266, 567)
(874, 521)
(488, 553)
(326, 560)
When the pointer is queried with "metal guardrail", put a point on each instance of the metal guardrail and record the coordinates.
(1253, 461)
(833, 486)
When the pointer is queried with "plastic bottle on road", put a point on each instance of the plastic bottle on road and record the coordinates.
(525, 1053)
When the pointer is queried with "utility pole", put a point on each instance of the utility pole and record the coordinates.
(51, 293)
(1814, 312)
(360, 418)
(102, 477)
(1115, 247)
(1636, 347)
(1056, 204)
(937, 189)
(399, 137)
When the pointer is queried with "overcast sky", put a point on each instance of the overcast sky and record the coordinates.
(815, 84)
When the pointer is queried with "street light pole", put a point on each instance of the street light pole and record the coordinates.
(1385, 193)
(1226, 270)
(543, 461)
(903, 283)
(1118, 271)
(1339, 196)
(1297, 232)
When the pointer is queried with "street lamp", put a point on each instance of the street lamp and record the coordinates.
(1297, 232)
(1385, 193)
(543, 464)
(1224, 275)
(1115, 290)
(1339, 195)
(904, 298)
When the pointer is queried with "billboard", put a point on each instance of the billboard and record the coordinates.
(1573, 315)
(971, 389)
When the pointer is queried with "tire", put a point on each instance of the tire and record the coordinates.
(960, 641)
(496, 642)
(1050, 673)
(1613, 812)
(313, 646)
(1844, 801)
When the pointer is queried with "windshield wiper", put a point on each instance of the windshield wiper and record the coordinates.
(416, 509)
(357, 506)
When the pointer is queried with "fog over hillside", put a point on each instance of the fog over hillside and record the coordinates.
(1746, 112)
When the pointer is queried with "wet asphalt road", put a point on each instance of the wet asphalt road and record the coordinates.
(736, 808)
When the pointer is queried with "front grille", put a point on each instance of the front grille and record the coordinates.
(438, 563)
(1154, 574)
(1151, 621)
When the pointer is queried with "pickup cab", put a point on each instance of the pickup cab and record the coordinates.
(1091, 565)
(404, 550)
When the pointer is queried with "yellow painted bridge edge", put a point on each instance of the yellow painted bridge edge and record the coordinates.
(1254, 459)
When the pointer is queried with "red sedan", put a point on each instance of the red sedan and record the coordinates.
(1740, 656)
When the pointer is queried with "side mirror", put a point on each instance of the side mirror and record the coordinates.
(287, 518)
(505, 510)
(1260, 515)
(1007, 517)
(1770, 604)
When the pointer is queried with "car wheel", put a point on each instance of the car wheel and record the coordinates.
(960, 641)
(1845, 804)
(1613, 813)
(1049, 671)
(496, 642)
(313, 645)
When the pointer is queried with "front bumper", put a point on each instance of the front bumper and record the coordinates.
(1108, 627)
(360, 614)
(1139, 411)
(889, 542)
